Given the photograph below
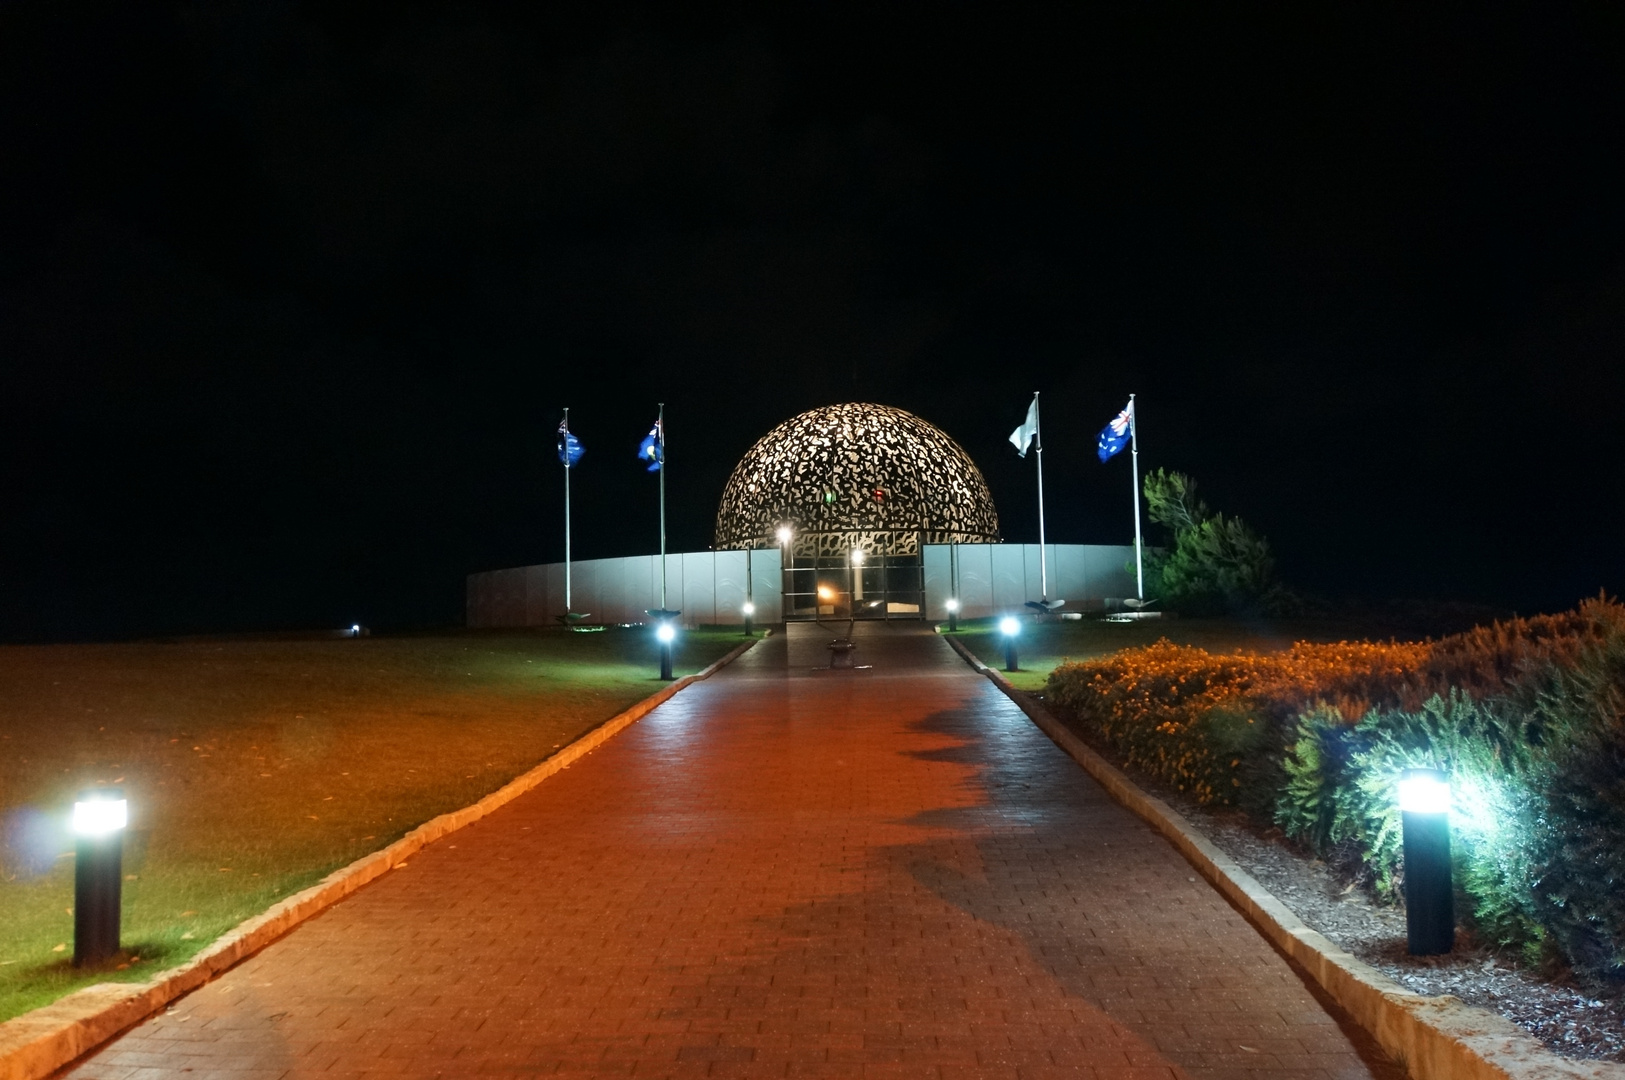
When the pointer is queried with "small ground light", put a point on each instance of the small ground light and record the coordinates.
(749, 609)
(1430, 914)
(1009, 627)
(99, 817)
(667, 634)
(953, 613)
(784, 534)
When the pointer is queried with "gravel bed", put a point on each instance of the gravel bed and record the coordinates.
(1554, 1009)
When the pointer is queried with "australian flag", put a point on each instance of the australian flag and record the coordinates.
(1116, 435)
(653, 447)
(570, 448)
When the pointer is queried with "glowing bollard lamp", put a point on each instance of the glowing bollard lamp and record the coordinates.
(1009, 627)
(1430, 908)
(750, 610)
(99, 817)
(667, 634)
(953, 613)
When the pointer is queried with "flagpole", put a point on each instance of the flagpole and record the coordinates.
(568, 606)
(1043, 566)
(1134, 446)
(661, 420)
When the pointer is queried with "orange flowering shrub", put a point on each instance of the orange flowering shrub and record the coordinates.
(1198, 720)
(1193, 718)
(1493, 659)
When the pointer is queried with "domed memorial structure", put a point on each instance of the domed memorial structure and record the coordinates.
(850, 494)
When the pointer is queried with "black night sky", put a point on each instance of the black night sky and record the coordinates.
(291, 296)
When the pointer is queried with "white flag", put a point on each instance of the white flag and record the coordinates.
(1022, 437)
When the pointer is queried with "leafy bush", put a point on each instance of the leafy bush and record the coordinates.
(1526, 715)
(1490, 771)
(1578, 717)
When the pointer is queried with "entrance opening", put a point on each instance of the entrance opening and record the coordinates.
(883, 586)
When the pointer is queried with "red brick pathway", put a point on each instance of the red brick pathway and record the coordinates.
(783, 872)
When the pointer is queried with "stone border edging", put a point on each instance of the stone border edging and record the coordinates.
(41, 1041)
(1435, 1038)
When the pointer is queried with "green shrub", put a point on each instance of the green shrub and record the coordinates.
(1579, 865)
(1314, 765)
(1491, 828)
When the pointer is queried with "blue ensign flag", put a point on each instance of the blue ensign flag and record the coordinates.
(653, 448)
(1116, 435)
(570, 448)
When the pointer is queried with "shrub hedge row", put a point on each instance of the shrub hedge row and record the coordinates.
(1525, 715)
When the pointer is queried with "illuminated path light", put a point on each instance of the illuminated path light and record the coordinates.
(667, 634)
(1010, 627)
(99, 818)
(1430, 912)
(781, 871)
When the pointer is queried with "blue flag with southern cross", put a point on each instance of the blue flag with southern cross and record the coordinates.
(1116, 435)
(570, 448)
(653, 447)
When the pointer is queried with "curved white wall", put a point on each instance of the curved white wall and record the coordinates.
(708, 587)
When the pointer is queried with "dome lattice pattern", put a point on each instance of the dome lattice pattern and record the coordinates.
(856, 476)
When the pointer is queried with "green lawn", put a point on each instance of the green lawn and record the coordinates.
(1042, 646)
(255, 768)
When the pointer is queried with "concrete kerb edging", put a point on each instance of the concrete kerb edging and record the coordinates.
(1435, 1038)
(38, 1043)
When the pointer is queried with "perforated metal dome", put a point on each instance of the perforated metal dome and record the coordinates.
(860, 476)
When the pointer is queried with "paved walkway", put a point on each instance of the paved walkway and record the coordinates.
(782, 872)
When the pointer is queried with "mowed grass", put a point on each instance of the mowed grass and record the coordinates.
(1041, 647)
(252, 769)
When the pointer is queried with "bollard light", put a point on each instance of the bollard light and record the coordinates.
(99, 818)
(1009, 627)
(749, 609)
(784, 534)
(1430, 908)
(953, 613)
(667, 634)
